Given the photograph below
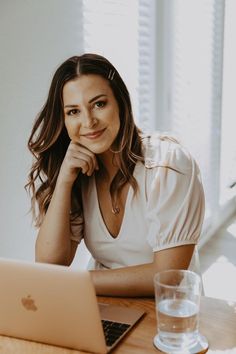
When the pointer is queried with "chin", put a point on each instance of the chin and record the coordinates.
(99, 148)
(99, 151)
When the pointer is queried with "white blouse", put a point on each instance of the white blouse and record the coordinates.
(167, 211)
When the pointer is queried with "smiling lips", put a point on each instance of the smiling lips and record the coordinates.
(94, 135)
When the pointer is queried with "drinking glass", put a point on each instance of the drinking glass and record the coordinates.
(177, 298)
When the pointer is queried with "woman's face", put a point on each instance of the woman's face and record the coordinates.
(91, 112)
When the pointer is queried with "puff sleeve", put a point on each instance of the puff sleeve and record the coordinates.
(176, 203)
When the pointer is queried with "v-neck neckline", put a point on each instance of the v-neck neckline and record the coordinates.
(102, 221)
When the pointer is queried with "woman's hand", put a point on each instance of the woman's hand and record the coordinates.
(78, 158)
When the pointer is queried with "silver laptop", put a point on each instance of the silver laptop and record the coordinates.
(57, 305)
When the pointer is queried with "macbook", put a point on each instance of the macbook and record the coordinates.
(57, 305)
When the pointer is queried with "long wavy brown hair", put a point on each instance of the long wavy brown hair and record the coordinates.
(49, 140)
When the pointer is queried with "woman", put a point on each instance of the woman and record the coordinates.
(89, 181)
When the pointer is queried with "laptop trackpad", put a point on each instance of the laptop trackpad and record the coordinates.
(119, 313)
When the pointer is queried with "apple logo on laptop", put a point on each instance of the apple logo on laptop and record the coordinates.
(28, 303)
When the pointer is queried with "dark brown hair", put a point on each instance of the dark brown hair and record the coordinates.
(49, 140)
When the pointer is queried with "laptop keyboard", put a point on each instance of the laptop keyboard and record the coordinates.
(113, 331)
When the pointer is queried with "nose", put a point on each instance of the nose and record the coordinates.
(88, 121)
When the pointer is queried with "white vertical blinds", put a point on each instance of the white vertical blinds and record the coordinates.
(216, 101)
(228, 126)
(146, 64)
(195, 84)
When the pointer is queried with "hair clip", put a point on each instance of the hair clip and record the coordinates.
(111, 74)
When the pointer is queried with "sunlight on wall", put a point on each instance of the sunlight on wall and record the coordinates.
(232, 230)
(220, 276)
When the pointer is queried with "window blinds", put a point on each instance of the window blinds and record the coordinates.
(194, 79)
(146, 64)
(228, 141)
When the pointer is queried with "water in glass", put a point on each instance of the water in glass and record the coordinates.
(177, 323)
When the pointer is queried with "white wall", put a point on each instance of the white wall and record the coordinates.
(35, 37)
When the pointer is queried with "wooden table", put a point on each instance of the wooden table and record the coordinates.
(217, 323)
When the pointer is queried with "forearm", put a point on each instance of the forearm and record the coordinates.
(128, 281)
(53, 243)
(138, 280)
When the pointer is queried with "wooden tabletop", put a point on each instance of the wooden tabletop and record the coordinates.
(217, 323)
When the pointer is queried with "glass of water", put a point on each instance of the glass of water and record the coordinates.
(177, 298)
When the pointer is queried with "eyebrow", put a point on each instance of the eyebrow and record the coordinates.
(90, 101)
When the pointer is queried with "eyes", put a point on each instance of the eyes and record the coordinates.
(72, 112)
(100, 104)
(96, 105)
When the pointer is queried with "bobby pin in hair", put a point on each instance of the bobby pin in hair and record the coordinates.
(111, 74)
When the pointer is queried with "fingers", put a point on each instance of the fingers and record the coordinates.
(81, 157)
